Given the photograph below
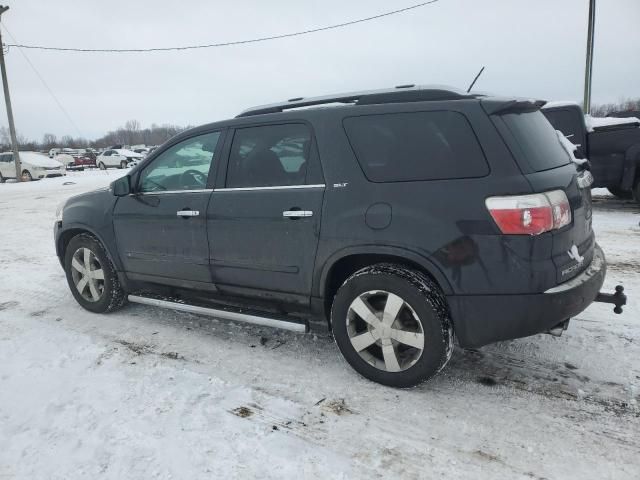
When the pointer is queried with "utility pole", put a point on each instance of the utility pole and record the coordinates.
(589, 66)
(7, 99)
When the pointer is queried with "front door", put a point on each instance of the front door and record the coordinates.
(264, 224)
(161, 229)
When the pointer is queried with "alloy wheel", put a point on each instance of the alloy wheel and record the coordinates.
(385, 331)
(87, 274)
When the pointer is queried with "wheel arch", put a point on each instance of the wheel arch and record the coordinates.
(347, 261)
(631, 167)
(71, 231)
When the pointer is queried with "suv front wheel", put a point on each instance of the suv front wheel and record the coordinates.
(91, 275)
(392, 325)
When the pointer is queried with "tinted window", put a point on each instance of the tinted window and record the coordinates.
(536, 140)
(268, 156)
(415, 146)
(184, 166)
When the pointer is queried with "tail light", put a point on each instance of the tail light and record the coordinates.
(530, 214)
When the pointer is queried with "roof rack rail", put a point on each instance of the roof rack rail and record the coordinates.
(399, 94)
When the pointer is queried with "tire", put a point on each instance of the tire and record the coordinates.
(123, 164)
(98, 295)
(2, 179)
(26, 176)
(421, 308)
(102, 166)
(635, 192)
(618, 192)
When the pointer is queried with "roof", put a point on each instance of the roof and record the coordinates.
(399, 94)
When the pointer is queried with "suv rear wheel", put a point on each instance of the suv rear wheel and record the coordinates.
(392, 325)
(91, 276)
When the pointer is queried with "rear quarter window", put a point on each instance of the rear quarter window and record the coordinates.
(401, 147)
(534, 141)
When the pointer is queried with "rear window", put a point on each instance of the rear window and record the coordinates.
(536, 140)
(403, 147)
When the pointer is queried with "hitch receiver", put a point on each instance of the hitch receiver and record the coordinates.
(618, 299)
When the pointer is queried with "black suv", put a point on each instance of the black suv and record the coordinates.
(400, 219)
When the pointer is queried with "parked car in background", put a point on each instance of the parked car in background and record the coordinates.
(77, 161)
(403, 220)
(612, 146)
(35, 165)
(142, 151)
(54, 151)
(119, 158)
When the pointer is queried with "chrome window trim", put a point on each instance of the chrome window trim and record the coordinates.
(162, 192)
(276, 187)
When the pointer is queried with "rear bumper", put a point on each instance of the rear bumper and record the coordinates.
(482, 319)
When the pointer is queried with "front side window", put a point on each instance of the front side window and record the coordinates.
(184, 166)
(269, 156)
(400, 147)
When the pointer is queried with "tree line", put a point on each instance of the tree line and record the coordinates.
(131, 133)
(604, 109)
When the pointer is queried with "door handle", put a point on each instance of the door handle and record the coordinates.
(187, 213)
(293, 214)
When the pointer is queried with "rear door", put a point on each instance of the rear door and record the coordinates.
(161, 229)
(7, 167)
(264, 223)
(547, 165)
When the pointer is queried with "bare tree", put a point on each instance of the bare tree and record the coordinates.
(623, 105)
(49, 141)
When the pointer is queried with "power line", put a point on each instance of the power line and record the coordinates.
(33, 67)
(226, 44)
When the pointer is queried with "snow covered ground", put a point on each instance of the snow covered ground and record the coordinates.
(150, 393)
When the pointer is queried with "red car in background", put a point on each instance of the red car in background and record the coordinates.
(77, 161)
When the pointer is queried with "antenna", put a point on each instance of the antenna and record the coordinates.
(475, 79)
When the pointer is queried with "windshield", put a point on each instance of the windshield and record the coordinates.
(534, 141)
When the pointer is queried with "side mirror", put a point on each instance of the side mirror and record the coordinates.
(122, 186)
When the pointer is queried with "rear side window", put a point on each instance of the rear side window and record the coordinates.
(536, 140)
(269, 156)
(402, 147)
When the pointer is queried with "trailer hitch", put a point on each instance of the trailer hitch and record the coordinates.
(618, 299)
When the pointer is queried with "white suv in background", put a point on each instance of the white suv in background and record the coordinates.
(35, 165)
(120, 158)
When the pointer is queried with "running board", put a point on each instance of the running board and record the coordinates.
(253, 318)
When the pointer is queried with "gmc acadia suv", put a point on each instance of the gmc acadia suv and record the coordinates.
(400, 219)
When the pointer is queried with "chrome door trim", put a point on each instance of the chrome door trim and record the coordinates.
(277, 187)
(162, 192)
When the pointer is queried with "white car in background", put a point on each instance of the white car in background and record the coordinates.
(120, 158)
(35, 165)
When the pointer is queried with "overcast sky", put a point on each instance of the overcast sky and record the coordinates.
(530, 48)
